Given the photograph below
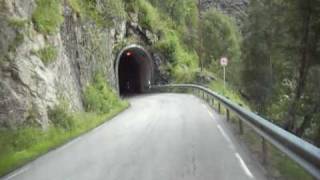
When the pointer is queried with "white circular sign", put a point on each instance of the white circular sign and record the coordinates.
(224, 61)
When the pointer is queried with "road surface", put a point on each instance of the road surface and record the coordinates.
(160, 137)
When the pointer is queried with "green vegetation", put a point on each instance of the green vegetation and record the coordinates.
(104, 15)
(26, 143)
(18, 26)
(229, 92)
(281, 64)
(99, 97)
(48, 54)
(279, 165)
(182, 64)
(60, 117)
(48, 17)
(149, 16)
(274, 63)
(221, 38)
(17, 23)
(19, 38)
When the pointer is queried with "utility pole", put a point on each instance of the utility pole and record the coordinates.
(200, 36)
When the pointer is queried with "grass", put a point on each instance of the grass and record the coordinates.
(19, 146)
(229, 92)
(148, 15)
(182, 64)
(48, 54)
(17, 23)
(279, 165)
(47, 17)
(99, 97)
(104, 15)
(25, 144)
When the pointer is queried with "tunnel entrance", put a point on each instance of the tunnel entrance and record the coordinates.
(135, 70)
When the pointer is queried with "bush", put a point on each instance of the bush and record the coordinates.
(103, 15)
(48, 16)
(183, 63)
(60, 117)
(26, 143)
(48, 54)
(99, 97)
(149, 17)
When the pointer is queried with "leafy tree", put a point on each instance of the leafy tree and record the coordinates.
(281, 62)
(220, 37)
(257, 61)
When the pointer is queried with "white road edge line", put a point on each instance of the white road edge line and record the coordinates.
(244, 166)
(224, 134)
(209, 111)
(231, 146)
(17, 173)
(69, 144)
(211, 115)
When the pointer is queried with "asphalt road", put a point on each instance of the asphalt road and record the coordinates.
(160, 137)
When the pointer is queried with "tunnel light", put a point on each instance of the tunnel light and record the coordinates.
(129, 53)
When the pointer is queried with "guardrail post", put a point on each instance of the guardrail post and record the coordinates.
(219, 107)
(228, 114)
(264, 152)
(240, 126)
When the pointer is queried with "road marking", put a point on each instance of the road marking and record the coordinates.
(17, 173)
(231, 146)
(211, 115)
(69, 144)
(209, 111)
(224, 134)
(244, 166)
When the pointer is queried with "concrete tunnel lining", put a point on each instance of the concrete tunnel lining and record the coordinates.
(134, 70)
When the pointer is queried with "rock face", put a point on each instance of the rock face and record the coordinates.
(28, 87)
(234, 8)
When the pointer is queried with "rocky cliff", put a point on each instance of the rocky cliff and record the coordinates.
(40, 69)
(234, 8)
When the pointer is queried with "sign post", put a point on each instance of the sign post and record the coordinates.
(224, 63)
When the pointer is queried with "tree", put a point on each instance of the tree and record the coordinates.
(281, 62)
(220, 37)
(259, 37)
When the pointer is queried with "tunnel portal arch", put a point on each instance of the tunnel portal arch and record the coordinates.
(134, 70)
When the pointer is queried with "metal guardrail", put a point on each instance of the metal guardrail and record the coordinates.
(302, 152)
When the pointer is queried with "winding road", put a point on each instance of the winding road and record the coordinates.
(160, 137)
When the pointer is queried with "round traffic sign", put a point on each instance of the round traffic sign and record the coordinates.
(224, 61)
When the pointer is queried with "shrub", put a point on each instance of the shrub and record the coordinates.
(60, 117)
(183, 63)
(99, 97)
(48, 54)
(47, 17)
(149, 17)
(17, 23)
(103, 15)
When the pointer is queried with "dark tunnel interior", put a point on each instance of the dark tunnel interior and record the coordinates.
(134, 70)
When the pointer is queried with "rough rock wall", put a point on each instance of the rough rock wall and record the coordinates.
(28, 87)
(234, 8)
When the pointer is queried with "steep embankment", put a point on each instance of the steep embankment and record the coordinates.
(51, 50)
